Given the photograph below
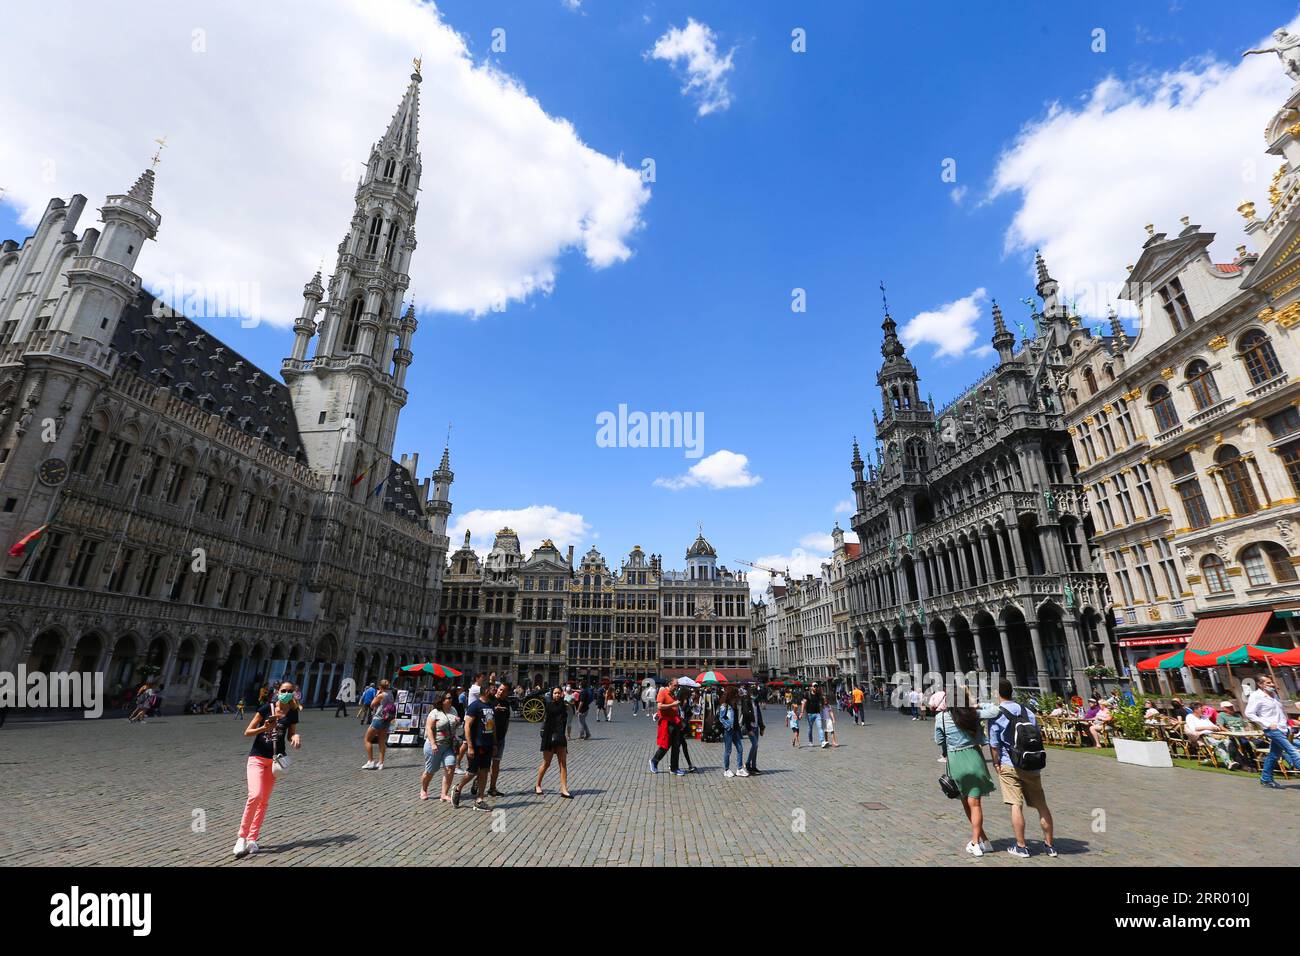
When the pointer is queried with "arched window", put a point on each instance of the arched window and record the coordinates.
(372, 237)
(406, 175)
(1236, 479)
(389, 166)
(1091, 380)
(916, 460)
(1261, 361)
(1260, 559)
(1200, 381)
(394, 231)
(352, 327)
(1216, 576)
(1162, 406)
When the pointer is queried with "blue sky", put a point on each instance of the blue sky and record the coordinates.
(823, 172)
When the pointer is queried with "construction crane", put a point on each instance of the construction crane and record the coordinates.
(772, 571)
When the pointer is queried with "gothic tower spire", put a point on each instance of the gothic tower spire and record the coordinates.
(349, 393)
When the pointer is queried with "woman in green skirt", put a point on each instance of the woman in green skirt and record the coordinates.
(960, 728)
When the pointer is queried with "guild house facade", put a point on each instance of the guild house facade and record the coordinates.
(1187, 433)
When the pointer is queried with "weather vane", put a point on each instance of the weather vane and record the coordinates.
(157, 156)
(417, 62)
(884, 301)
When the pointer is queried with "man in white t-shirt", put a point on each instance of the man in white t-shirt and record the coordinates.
(1197, 723)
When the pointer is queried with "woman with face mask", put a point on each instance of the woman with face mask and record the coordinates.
(273, 728)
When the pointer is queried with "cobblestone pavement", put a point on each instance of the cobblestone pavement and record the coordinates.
(107, 792)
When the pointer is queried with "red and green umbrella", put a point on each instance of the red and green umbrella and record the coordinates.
(776, 683)
(712, 677)
(1289, 658)
(437, 670)
(1153, 663)
(1185, 658)
(1245, 654)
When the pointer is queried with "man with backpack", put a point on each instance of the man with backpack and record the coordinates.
(1019, 756)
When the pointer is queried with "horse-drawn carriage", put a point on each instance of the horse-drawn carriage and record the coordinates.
(531, 707)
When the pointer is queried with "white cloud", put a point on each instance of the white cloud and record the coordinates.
(845, 507)
(957, 194)
(1089, 176)
(950, 328)
(694, 48)
(799, 562)
(573, 4)
(722, 469)
(270, 115)
(533, 525)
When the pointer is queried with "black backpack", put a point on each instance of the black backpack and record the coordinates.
(1026, 741)
(746, 715)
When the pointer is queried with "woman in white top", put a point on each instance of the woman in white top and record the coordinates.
(440, 746)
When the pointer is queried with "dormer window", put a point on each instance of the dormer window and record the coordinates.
(1175, 305)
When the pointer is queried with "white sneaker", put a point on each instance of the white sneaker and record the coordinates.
(379, 766)
(727, 773)
(251, 847)
(368, 765)
(742, 772)
(986, 846)
(974, 849)
(825, 744)
(240, 845)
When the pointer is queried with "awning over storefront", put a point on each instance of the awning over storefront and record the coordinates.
(1154, 641)
(1224, 633)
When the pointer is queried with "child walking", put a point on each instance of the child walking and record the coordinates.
(792, 721)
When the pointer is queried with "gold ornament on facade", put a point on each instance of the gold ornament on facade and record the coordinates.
(1293, 129)
(1108, 408)
(1166, 373)
(1247, 210)
(1153, 613)
(1265, 315)
(1274, 193)
(1289, 316)
(1218, 342)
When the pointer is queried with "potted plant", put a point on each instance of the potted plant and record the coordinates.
(1132, 738)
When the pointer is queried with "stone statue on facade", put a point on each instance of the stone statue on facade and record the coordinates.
(1286, 531)
(1287, 50)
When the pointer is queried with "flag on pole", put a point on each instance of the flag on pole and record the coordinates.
(17, 550)
(379, 487)
(357, 480)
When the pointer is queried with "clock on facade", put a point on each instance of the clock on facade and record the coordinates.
(52, 471)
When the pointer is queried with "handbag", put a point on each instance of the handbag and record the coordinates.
(946, 783)
(280, 763)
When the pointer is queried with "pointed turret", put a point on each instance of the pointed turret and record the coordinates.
(143, 188)
(1003, 341)
(404, 129)
(1117, 331)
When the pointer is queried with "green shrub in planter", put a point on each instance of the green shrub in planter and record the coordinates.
(1129, 722)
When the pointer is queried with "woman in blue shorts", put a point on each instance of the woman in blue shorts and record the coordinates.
(440, 746)
(385, 709)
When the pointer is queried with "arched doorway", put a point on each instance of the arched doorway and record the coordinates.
(45, 652)
(1022, 647)
(86, 655)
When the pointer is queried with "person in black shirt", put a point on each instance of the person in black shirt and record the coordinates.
(274, 726)
(682, 731)
(554, 742)
(501, 706)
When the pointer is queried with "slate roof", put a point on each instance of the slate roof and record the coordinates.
(402, 494)
(204, 372)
